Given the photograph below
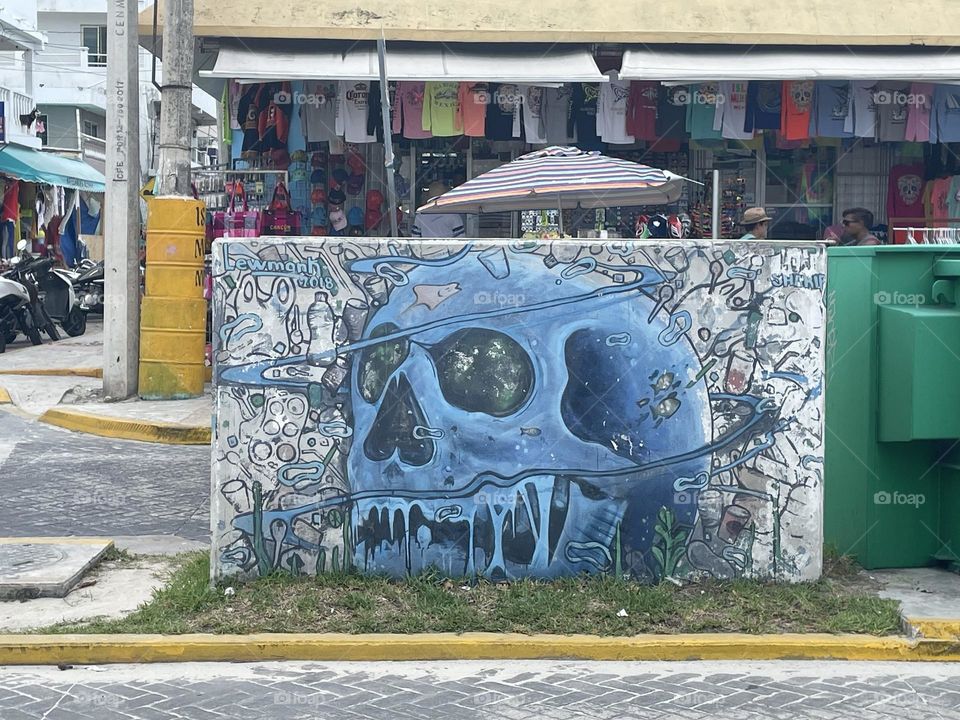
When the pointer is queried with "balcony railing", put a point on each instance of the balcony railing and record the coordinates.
(16, 104)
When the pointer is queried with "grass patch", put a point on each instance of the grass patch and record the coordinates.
(351, 603)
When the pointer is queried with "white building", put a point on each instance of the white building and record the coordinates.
(65, 74)
(20, 37)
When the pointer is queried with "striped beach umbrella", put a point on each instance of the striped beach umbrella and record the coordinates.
(560, 177)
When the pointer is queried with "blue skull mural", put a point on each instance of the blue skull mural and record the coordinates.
(522, 419)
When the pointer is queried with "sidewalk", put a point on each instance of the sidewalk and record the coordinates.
(59, 383)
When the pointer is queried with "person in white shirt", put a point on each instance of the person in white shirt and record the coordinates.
(437, 225)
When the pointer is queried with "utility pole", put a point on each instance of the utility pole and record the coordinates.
(122, 206)
(176, 95)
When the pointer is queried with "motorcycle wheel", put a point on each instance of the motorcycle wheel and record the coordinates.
(30, 328)
(10, 336)
(75, 323)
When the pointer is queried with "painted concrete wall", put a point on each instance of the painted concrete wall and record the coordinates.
(515, 409)
(774, 22)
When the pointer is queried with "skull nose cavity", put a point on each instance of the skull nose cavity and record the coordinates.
(399, 427)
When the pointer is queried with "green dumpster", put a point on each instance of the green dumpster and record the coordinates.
(892, 445)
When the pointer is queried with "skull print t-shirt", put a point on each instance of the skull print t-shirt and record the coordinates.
(504, 101)
(796, 106)
(905, 192)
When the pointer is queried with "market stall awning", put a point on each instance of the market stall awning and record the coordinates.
(405, 61)
(40, 167)
(652, 62)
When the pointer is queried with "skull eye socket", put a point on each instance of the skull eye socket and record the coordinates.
(484, 371)
(379, 362)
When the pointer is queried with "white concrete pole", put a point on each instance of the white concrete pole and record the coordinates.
(176, 96)
(121, 313)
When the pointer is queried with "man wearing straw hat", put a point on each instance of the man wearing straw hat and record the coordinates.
(755, 222)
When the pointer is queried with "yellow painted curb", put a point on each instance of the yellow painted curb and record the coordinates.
(5, 397)
(100, 649)
(934, 628)
(62, 372)
(113, 427)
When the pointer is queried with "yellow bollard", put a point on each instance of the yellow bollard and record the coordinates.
(174, 313)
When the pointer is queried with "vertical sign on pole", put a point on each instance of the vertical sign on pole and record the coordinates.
(121, 320)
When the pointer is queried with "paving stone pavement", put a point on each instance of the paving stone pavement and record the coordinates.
(58, 482)
(514, 690)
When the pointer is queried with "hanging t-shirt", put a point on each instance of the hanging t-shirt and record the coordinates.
(832, 106)
(796, 106)
(276, 107)
(352, 109)
(732, 111)
(504, 100)
(672, 112)
(319, 112)
(248, 117)
(763, 106)
(408, 116)
(583, 114)
(953, 198)
(612, 112)
(919, 105)
(863, 121)
(940, 201)
(530, 113)
(11, 201)
(891, 101)
(375, 112)
(642, 110)
(945, 124)
(556, 112)
(474, 98)
(441, 109)
(701, 101)
(905, 192)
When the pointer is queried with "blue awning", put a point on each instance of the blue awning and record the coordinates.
(31, 165)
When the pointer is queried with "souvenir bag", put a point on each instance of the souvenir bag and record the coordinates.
(240, 223)
(280, 218)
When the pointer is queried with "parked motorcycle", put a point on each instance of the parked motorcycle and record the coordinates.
(88, 286)
(16, 313)
(28, 271)
(59, 299)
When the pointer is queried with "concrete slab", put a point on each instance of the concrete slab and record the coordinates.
(158, 544)
(111, 590)
(46, 567)
(929, 598)
(36, 394)
(69, 353)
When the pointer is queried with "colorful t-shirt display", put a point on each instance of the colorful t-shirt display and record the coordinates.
(474, 98)
(905, 192)
(731, 112)
(891, 101)
(319, 112)
(701, 102)
(763, 106)
(612, 112)
(940, 201)
(408, 116)
(556, 112)
(832, 105)
(796, 107)
(441, 109)
(918, 112)
(583, 115)
(642, 110)
(352, 100)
